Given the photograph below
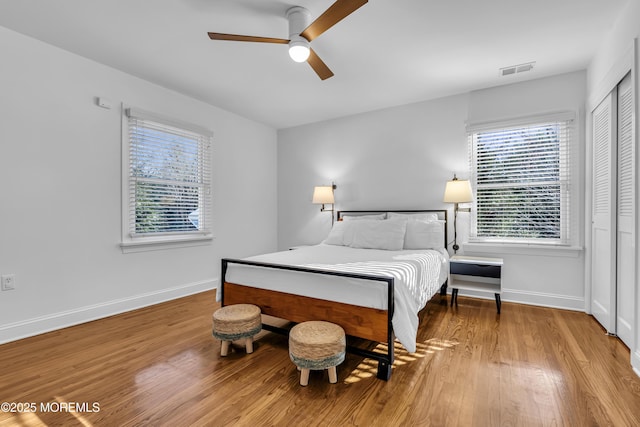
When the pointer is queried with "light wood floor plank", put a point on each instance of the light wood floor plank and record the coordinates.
(529, 366)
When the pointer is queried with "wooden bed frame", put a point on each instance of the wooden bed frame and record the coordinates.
(361, 322)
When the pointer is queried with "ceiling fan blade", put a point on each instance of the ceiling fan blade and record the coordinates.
(337, 12)
(239, 38)
(319, 66)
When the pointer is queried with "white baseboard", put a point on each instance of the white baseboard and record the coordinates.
(635, 362)
(533, 298)
(63, 319)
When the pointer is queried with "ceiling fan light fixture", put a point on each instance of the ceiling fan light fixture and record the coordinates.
(299, 50)
(302, 32)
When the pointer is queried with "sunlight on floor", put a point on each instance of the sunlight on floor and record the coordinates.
(26, 419)
(369, 368)
(82, 420)
(434, 344)
(30, 418)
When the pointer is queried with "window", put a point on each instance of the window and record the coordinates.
(522, 178)
(167, 186)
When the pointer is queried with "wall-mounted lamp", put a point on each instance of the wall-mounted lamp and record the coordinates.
(324, 195)
(457, 191)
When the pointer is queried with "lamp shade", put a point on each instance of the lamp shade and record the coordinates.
(458, 191)
(323, 194)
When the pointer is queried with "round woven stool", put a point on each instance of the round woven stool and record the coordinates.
(234, 322)
(317, 345)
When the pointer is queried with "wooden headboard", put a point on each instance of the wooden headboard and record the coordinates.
(442, 215)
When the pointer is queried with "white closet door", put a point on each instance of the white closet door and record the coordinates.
(626, 206)
(603, 261)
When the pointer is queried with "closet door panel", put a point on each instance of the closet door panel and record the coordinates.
(626, 212)
(603, 249)
(625, 301)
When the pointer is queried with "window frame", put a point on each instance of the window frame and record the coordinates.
(567, 180)
(136, 242)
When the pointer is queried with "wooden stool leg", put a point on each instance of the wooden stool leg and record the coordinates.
(333, 375)
(249, 344)
(224, 349)
(304, 376)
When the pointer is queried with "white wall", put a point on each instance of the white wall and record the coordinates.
(394, 158)
(615, 57)
(60, 201)
(551, 277)
(401, 158)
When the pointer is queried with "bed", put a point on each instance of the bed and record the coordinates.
(372, 275)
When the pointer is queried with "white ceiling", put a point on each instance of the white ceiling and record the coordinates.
(386, 53)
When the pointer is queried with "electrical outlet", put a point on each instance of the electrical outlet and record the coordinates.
(8, 282)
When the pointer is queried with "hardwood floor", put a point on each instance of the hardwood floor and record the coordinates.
(157, 366)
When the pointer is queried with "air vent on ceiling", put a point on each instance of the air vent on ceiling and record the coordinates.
(514, 69)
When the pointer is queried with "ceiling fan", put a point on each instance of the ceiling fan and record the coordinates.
(301, 33)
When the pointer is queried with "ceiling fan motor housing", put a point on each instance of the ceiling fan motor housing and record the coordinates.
(299, 19)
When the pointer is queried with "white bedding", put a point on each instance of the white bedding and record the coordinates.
(418, 275)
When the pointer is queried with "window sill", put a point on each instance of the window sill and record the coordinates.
(145, 245)
(523, 249)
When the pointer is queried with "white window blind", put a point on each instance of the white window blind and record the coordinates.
(522, 177)
(169, 177)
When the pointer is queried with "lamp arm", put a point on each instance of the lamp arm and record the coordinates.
(455, 228)
(323, 209)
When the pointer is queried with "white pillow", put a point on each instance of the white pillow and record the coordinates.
(414, 216)
(341, 234)
(366, 216)
(424, 235)
(374, 234)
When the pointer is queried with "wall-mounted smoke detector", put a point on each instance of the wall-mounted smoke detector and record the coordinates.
(515, 69)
